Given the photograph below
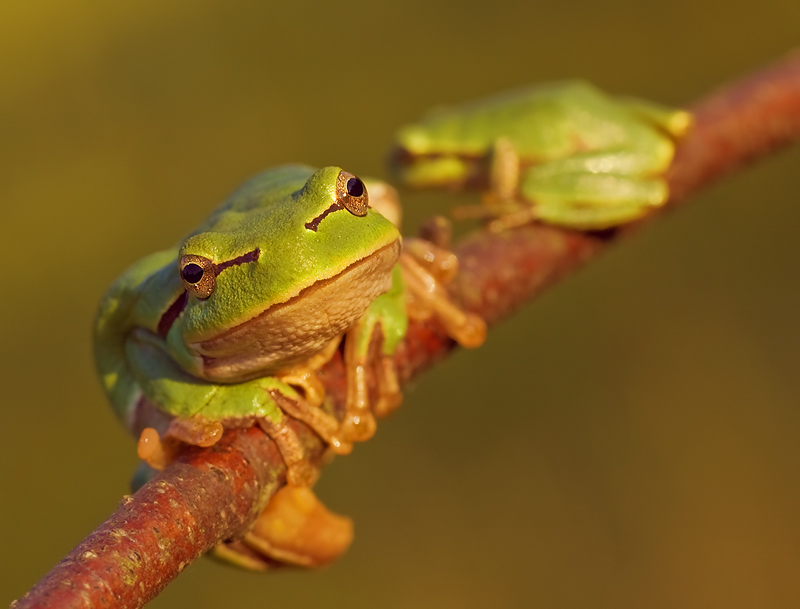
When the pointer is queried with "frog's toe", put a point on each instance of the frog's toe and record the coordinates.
(237, 553)
(154, 451)
(296, 528)
(359, 426)
(196, 431)
(299, 471)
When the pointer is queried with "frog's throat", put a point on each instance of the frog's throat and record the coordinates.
(291, 332)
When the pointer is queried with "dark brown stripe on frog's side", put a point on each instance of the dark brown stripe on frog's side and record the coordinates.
(243, 259)
(177, 307)
(171, 314)
(315, 222)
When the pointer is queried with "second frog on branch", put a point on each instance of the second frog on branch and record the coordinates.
(563, 153)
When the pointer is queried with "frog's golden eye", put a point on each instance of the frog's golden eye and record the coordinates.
(198, 274)
(352, 194)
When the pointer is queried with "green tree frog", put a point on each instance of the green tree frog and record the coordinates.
(228, 328)
(563, 153)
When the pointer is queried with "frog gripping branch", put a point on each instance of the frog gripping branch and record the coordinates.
(228, 330)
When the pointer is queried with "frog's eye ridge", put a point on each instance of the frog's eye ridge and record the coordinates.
(198, 274)
(352, 194)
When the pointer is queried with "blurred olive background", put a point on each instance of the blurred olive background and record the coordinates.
(630, 440)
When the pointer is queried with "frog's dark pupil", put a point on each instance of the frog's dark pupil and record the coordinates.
(355, 187)
(192, 273)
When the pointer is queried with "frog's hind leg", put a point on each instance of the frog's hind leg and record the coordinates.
(390, 396)
(595, 191)
(297, 529)
(359, 423)
(500, 198)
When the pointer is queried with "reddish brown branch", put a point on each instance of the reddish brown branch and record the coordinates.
(214, 494)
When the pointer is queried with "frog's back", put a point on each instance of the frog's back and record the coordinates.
(544, 121)
(261, 191)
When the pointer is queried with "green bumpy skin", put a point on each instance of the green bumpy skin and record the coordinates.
(581, 158)
(284, 287)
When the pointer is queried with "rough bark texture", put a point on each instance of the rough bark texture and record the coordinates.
(214, 494)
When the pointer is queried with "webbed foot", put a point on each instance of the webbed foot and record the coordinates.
(295, 528)
(426, 277)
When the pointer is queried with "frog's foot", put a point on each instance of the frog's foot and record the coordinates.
(325, 425)
(676, 122)
(159, 451)
(519, 215)
(437, 261)
(493, 207)
(296, 528)
(304, 376)
(195, 430)
(299, 471)
(154, 451)
(308, 381)
(389, 394)
(429, 296)
(238, 554)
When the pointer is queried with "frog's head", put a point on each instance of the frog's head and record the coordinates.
(277, 274)
(440, 152)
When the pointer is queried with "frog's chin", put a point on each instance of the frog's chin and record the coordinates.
(289, 333)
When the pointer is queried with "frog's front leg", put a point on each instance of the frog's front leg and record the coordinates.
(386, 314)
(359, 423)
(500, 199)
(504, 171)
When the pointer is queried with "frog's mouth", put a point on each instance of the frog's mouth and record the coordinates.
(290, 332)
(440, 169)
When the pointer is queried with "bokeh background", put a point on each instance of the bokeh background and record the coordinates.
(629, 440)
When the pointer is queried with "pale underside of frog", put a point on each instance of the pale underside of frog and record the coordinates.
(565, 154)
(229, 329)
